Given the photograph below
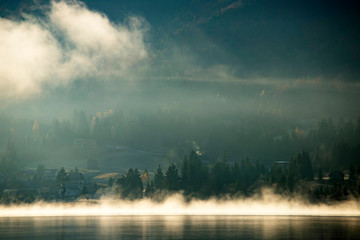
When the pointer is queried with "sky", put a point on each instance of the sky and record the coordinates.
(80, 51)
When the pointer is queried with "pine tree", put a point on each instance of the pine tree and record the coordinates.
(159, 179)
(130, 185)
(111, 182)
(172, 179)
(149, 189)
(62, 177)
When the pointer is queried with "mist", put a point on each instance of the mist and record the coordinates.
(268, 204)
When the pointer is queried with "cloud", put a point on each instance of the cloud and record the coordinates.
(69, 42)
(28, 55)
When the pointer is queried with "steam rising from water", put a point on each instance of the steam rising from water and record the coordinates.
(268, 205)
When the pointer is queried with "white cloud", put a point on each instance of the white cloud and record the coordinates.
(28, 55)
(70, 42)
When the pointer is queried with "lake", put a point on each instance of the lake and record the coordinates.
(180, 227)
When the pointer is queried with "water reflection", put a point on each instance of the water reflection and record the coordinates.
(180, 227)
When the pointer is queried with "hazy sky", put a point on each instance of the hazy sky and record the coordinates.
(48, 46)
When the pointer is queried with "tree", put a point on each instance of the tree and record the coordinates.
(352, 174)
(129, 186)
(111, 182)
(149, 189)
(62, 177)
(320, 174)
(84, 190)
(305, 166)
(159, 179)
(220, 177)
(278, 177)
(172, 179)
(300, 167)
(194, 175)
(184, 178)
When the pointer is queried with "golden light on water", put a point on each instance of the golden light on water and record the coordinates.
(175, 205)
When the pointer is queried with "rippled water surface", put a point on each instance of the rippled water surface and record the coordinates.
(180, 227)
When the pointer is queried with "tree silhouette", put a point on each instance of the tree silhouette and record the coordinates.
(130, 185)
(172, 178)
(159, 179)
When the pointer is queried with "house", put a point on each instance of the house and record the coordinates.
(26, 174)
(50, 175)
(76, 178)
(74, 186)
(23, 190)
(72, 190)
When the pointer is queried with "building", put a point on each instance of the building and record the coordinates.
(73, 187)
(76, 178)
(50, 175)
(23, 190)
(26, 174)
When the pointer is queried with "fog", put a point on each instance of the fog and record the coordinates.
(268, 204)
(231, 96)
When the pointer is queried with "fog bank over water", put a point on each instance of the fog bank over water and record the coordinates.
(268, 204)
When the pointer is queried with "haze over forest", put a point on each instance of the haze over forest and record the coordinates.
(149, 82)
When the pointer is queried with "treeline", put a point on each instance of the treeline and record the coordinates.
(204, 180)
(194, 179)
(288, 179)
(200, 180)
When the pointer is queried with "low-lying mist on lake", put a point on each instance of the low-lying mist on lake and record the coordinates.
(264, 204)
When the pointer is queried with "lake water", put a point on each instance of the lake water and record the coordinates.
(180, 227)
